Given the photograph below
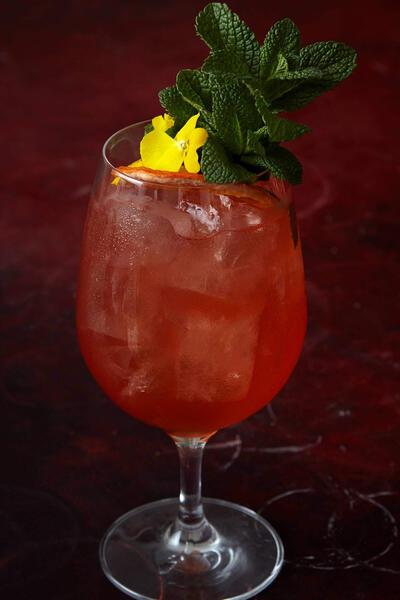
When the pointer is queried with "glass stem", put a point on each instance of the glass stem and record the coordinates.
(191, 525)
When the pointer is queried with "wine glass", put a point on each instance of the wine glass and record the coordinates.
(191, 315)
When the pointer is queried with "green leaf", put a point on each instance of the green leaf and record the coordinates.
(283, 164)
(221, 29)
(303, 94)
(261, 133)
(289, 81)
(281, 66)
(195, 88)
(254, 156)
(277, 160)
(217, 165)
(283, 39)
(301, 74)
(256, 141)
(225, 63)
(322, 66)
(176, 106)
(239, 99)
(234, 113)
(334, 59)
(279, 130)
(293, 62)
(275, 88)
(226, 118)
(255, 162)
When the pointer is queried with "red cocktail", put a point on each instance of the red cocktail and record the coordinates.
(191, 306)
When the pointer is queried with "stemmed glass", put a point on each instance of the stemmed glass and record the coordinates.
(191, 315)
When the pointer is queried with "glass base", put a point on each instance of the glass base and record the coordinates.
(141, 557)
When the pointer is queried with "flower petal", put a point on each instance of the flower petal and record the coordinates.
(171, 160)
(184, 133)
(169, 121)
(163, 122)
(197, 138)
(159, 151)
(191, 161)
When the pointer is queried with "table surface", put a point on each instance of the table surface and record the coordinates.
(320, 461)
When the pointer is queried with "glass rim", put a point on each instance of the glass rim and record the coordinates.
(108, 140)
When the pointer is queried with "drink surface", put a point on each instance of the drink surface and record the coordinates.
(191, 308)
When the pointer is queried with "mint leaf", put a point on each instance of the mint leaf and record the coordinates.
(279, 130)
(301, 74)
(283, 164)
(241, 100)
(325, 65)
(217, 165)
(272, 89)
(303, 94)
(281, 66)
(234, 112)
(254, 155)
(263, 155)
(226, 119)
(334, 59)
(221, 29)
(255, 142)
(227, 64)
(282, 40)
(176, 106)
(285, 82)
(256, 162)
(195, 88)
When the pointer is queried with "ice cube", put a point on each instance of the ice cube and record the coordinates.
(180, 221)
(215, 352)
(205, 219)
(216, 357)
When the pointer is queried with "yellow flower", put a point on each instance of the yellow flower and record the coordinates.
(161, 152)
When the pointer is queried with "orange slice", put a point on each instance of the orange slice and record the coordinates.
(267, 192)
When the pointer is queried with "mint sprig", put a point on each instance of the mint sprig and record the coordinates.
(221, 29)
(241, 88)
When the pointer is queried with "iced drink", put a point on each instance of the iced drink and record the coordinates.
(191, 310)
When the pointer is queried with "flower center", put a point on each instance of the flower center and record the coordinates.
(182, 145)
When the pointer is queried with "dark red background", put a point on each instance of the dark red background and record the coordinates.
(320, 462)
